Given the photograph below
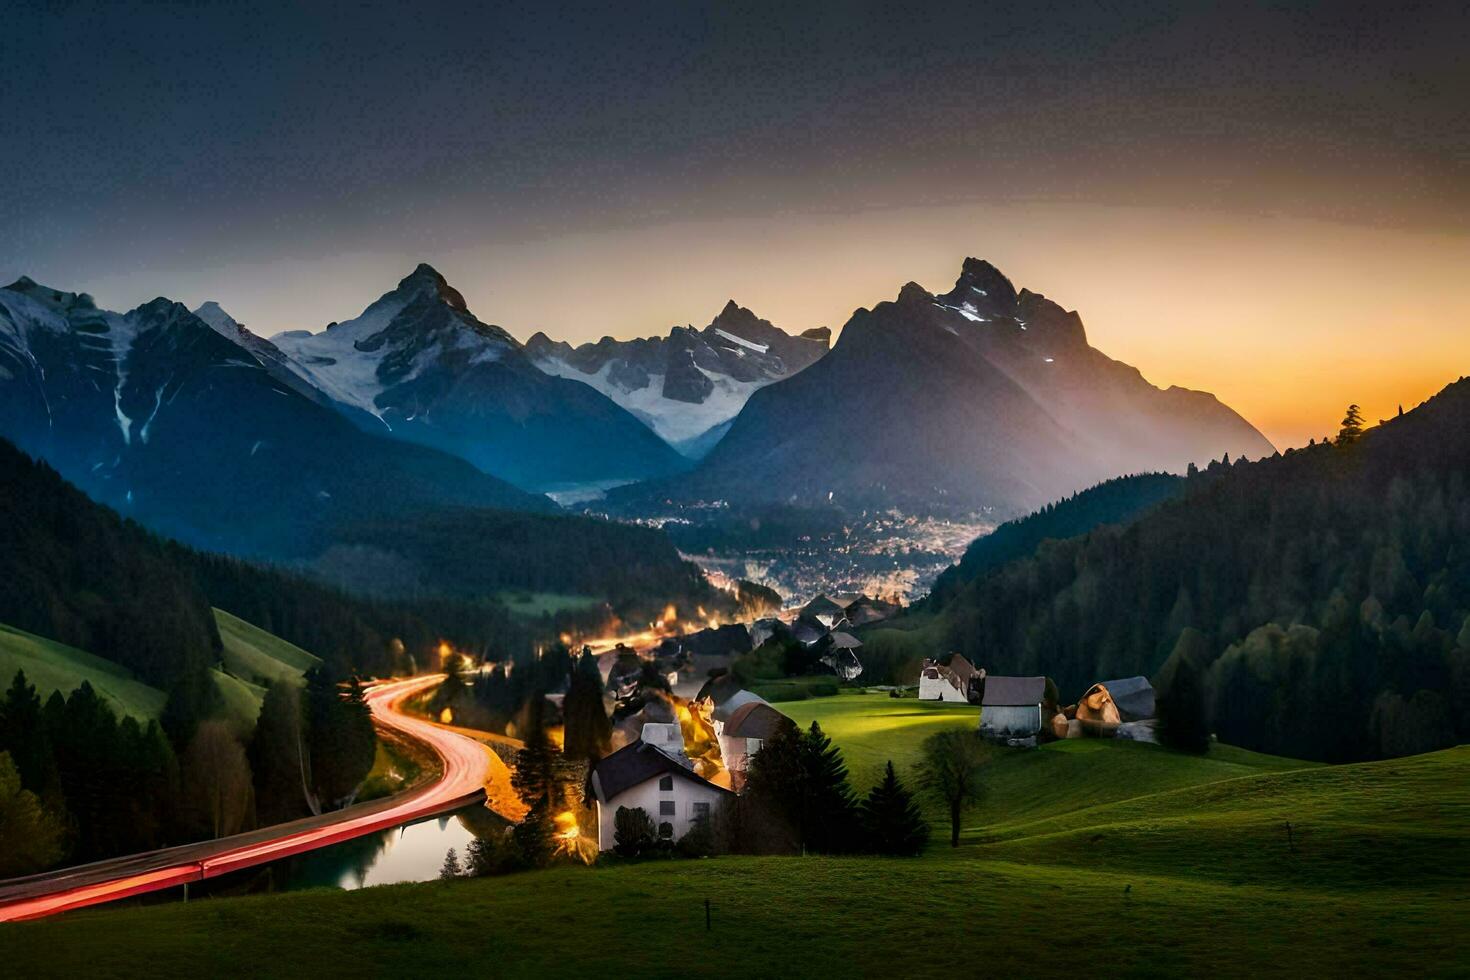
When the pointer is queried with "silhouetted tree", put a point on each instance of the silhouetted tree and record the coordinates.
(217, 781)
(891, 821)
(1352, 426)
(588, 729)
(279, 752)
(951, 773)
(1183, 696)
(633, 831)
(31, 837)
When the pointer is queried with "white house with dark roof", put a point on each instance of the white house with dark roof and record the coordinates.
(639, 775)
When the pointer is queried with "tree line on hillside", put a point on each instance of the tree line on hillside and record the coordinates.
(102, 786)
(1319, 599)
(1115, 501)
(464, 552)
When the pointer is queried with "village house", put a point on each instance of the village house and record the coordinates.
(953, 682)
(1010, 707)
(741, 736)
(640, 776)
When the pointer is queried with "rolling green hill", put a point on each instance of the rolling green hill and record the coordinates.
(253, 655)
(1191, 880)
(53, 666)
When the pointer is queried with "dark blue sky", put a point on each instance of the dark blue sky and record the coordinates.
(618, 167)
(305, 126)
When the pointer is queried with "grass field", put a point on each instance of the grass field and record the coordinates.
(1091, 856)
(253, 655)
(53, 666)
(872, 729)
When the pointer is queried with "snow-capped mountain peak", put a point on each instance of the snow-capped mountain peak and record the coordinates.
(688, 385)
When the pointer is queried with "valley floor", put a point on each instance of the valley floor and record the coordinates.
(1103, 858)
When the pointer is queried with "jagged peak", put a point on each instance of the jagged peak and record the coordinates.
(215, 316)
(50, 296)
(986, 278)
(425, 276)
(912, 292)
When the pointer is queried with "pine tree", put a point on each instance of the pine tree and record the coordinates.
(279, 755)
(343, 743)
(830, 820)
(535, 775)
(1352, 426)
(890, 819)
(23, 734)
(535, 835)
(800, 777)
(1183, 702)
(588, 730)
(451, 868)
(194, 698)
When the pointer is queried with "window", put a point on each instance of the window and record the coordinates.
(701, 812)
(666, 783)
(666, 831)
(666, 808)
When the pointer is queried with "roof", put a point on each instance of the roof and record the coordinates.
(961, 670)
(1134, 697)
(864, 610)
(718, 640)
(1013, 690)
(807, 633)
(845, 641)
(822, 606)
(756, 720)
(726, 709)
(636, 763)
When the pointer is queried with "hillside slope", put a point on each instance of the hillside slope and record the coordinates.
(1329, 587)
(50, 666)
(1211, 887)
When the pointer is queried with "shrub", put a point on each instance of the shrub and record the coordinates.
(633, 831)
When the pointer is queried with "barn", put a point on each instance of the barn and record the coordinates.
(1010, 707)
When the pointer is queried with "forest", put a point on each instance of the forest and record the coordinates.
(1323, 594)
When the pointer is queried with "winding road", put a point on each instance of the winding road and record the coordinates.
(466, 764)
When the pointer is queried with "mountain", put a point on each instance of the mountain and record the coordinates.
(418, 366)
(1324, 594)
(979, 398)
(206, 437)
(689, 385)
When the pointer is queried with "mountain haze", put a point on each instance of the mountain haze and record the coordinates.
(981, 397)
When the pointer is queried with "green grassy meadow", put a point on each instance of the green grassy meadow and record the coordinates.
(253, 655)
(1111, 858)
(53, 666)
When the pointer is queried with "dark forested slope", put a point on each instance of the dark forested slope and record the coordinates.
(1327, 590)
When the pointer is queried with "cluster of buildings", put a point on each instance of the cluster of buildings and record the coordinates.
(654, 773)
(1024, 710)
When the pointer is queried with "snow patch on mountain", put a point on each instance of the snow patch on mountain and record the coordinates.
(674, 421)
